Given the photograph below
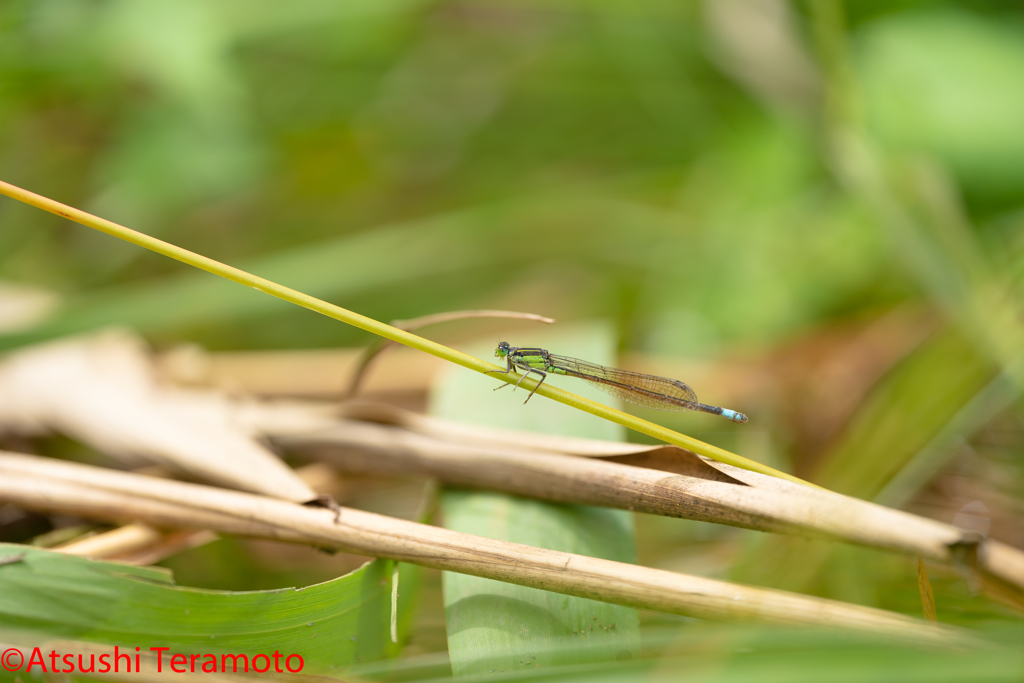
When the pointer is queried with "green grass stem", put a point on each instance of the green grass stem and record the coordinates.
(386, 331)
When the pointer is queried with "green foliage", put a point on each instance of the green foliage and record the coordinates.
(907, 411)
(518, 124)
(730, 193)
(950, 84)
(332, 625)
(494, 626)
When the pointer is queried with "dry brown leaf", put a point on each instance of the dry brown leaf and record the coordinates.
(53, 486)
(633, 477)
(136, 544)
(756, 502)
(100, 389)
(309, 373)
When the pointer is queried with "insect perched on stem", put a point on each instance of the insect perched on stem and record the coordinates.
(651, 391)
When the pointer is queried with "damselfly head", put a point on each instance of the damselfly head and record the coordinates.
(502, 350)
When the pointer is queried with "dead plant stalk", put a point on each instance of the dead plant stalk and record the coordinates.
(43, 484)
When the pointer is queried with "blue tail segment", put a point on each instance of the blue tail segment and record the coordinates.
(733, 415)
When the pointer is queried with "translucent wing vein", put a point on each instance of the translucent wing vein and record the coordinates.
(651, 391)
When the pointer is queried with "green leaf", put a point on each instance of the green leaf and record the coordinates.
(950, 83)
(332, 625)
(342, 269)
(494, 626)
(903, 413)
(330, 269)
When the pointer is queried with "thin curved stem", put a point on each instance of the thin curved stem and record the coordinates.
(380, 345)
(387, 331)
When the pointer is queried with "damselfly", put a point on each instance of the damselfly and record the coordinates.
(651, 391)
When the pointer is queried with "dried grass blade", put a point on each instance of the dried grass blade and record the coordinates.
(42, 484)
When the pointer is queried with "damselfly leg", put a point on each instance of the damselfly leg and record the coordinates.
(512, 365)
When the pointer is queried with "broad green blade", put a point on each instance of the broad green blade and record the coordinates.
(901, 416)
(332, 625)
(494, 626)
(342, 269)
(332, 269)
(756, 653)
(904, 413)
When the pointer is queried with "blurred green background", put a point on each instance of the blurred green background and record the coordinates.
(818, 204)
(666, 165)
